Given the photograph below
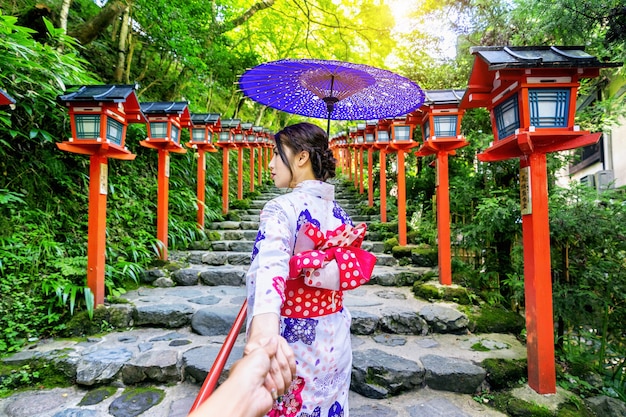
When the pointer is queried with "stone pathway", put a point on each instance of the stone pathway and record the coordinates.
(411, 357)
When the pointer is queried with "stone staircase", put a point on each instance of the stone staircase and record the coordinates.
(411, 356)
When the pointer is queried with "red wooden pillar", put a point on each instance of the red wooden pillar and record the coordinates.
(370, 179)
(538, 279)
(252, 169)
(240, 172)
(96, 239)
(225, 169)
(162, 200)
(260, 165)
(361, 185)
(200, 193)
(443, 218)
(383, 185)
(401, 199)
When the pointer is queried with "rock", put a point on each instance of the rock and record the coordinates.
(163, 282)
(97, 395)
(236, 258)
(363, 323)
(101, 366)
(31, 404)
(214, 258)
(450, 374)
(390, 340)
(206, 300)
(186, 277)
(223, 276)
(403, 322)
(134, 402)
(442, 319)
(606, 406)
(377, 374)
(436, 407)
(198, 361)
(241, 246)
(166, 315)
(76, 412)
(150, 275)
(155, 365)
(213, 321)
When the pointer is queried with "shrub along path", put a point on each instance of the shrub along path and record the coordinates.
(411, 356)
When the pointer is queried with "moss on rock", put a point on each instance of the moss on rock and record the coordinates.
(427, 291)
(504, 373)
(488, 319)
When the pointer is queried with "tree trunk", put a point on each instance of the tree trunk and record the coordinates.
(259, 116)
(88, 32)
(65, 9)
(121, 49)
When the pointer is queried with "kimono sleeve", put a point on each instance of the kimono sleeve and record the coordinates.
(269, 269)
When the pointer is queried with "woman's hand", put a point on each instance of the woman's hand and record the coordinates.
(263, 328)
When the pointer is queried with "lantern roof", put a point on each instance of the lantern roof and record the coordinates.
(246, 126)
(231, 123)
(212, 119)
(5, 99)
(121, 93)
(434, 97)
(165, 107)
(513, 57)
(491, 62)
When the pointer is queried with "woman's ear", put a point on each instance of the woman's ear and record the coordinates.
(302, 158)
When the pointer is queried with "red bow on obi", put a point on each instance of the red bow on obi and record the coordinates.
(335, 261)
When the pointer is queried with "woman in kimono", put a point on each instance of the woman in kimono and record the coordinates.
(306, 252)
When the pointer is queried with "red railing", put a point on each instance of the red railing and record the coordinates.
(220, 361)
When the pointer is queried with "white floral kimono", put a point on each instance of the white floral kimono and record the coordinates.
(312, 318)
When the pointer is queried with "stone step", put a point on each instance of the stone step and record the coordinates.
(384, 365)
(244, 242)
(376, 309)
(228, 257)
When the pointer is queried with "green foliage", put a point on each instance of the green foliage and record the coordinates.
(240, 204)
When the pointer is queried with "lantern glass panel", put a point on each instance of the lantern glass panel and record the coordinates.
(158, 130)
(238, 137)
(445, 126)
(359, 139)
(369, 137)
(507, 117)
(401, 133)
(224, 136)
(198, 134)
(548, 107)
(87, 126)
(175, 134)
(427, 130)
(115, 131)
(382, 136)
(252, 138)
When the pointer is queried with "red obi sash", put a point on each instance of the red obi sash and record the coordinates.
(318, 276)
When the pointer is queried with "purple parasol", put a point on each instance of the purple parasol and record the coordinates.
(334, 90)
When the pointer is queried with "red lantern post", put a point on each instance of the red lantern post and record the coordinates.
(370, 142)
(201, 135)
(440, 118)
(99, 115)
(226, 142)
(530, 93)
(382, 144)
(165, 122)
(401, 142)
(359, 146)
